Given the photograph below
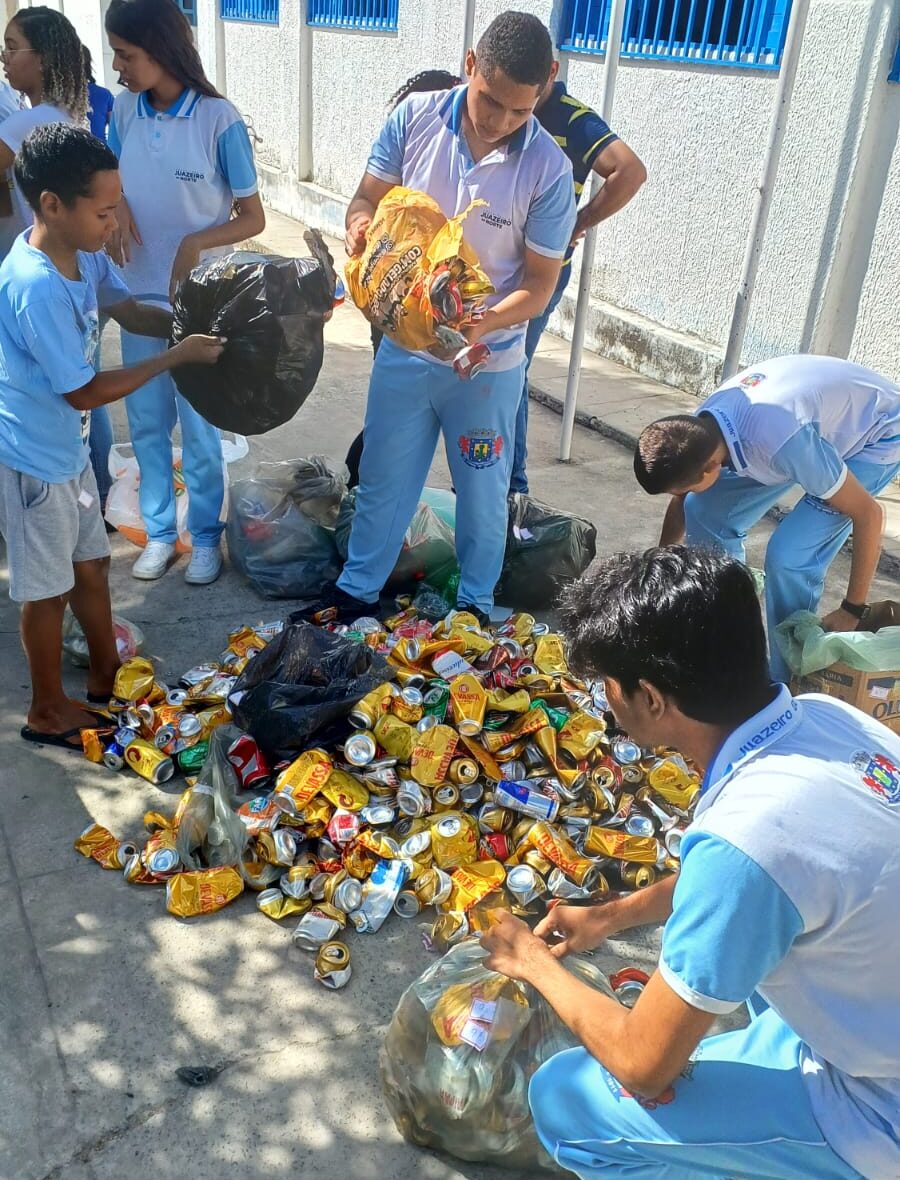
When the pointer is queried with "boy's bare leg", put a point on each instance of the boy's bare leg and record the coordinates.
(90, 604)
(51, 710)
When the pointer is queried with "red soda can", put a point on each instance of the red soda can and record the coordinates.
(249, 761)
(495, 846)
(343, 827)
(470, 361)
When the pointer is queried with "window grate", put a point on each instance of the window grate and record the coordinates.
(378, 15)
(748, 33)
(263, 12)
(189, 8)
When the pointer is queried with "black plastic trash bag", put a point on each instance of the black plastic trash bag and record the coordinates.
(272, 311)
(280, 527)
(545, 549)
(429, 549)
(302, 683)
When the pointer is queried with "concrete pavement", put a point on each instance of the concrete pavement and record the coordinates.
(103, 994)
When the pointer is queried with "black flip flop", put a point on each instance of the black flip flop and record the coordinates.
(53, 739)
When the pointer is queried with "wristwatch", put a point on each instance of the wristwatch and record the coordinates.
(858, 610)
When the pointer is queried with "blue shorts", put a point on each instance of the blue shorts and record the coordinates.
(740, 1110)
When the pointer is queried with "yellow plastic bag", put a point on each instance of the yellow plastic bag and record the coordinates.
(408, 243)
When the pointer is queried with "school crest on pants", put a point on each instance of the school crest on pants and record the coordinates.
(481, 448)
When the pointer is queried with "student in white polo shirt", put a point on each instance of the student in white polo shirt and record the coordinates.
(820, 423)
(186, 161)
(787, 897)
(476, 141)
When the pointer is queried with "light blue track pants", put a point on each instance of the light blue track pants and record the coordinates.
(800, 550)
(153, 411)
(411, 401)
(742, 1112)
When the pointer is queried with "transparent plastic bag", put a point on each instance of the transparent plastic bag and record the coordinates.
(429, 547)
(123, 504)
(280, 527)
(129, 639)
(210, 832)
(460, 1051)
(807, 647)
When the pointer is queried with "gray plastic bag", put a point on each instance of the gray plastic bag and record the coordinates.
(211, 833)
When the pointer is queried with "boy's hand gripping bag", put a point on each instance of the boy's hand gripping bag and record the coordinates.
(460, 1051)
(418, 280)
(272, 311)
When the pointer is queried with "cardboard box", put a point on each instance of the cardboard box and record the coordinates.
(875, 693)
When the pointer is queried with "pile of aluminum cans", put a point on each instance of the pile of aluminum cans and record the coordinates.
(484, 775)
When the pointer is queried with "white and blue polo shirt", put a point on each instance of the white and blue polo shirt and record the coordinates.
(798, 419)
(790, 886)
(526, 182)
(181, 170)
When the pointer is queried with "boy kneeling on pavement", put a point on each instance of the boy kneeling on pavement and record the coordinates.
(786, 900)
(53, 283)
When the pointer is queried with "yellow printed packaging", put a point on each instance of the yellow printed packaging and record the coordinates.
(92, 744)
(343, 790)
(408, 239)
(432, 755)
(305, 777)
(395, 737)
(134, 680)
(473, 882)
(202, 892)
(100, 845)
(453, 1010)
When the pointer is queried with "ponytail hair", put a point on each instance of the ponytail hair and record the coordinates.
(53, 36)
(422, 83)
(161, 29)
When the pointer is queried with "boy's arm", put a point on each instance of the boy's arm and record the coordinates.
(361, 210)
(673, 522)
(529, 300)
(113, 384)
(141, 319)
(867, 515)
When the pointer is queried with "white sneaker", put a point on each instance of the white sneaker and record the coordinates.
(154, 561)
(205, 566)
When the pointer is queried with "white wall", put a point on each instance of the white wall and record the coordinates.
(668, 265)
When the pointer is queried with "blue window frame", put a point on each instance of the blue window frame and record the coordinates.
(189, 8)
(261, 12)
(894, 75)
(748, 33)
(379, 15)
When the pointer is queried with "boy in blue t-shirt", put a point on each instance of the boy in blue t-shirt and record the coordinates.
(52, 285)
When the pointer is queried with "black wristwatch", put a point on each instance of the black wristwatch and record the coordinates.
(854, 608)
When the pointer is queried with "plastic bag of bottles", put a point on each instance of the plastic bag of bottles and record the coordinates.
(429, 547)
(280, 527)
(272, 312)
(459, 1054)
(210, 832)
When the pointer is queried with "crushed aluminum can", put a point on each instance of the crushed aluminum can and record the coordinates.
(520, 797)
(343, 826)
(360, 748)
(471, 360)
(249, 762)
(413, 799)
(433, 887)
(628, 985)
(314, 929)
(525, 884)
(640, 825)
(379, 894)
(407, 904)
(332, 967)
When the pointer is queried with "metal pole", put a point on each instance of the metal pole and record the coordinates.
(763, 197)
(611, 69)
(468, 34)
(305, 161)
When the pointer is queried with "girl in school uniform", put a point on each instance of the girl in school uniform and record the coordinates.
(190, 192)
(42, 59)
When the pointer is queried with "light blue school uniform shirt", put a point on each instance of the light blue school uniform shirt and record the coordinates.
(181, 170)
(789, 886)
(526, 182)
(49, 328)
(798, 419)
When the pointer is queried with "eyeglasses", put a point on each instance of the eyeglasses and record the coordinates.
(5, 53)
